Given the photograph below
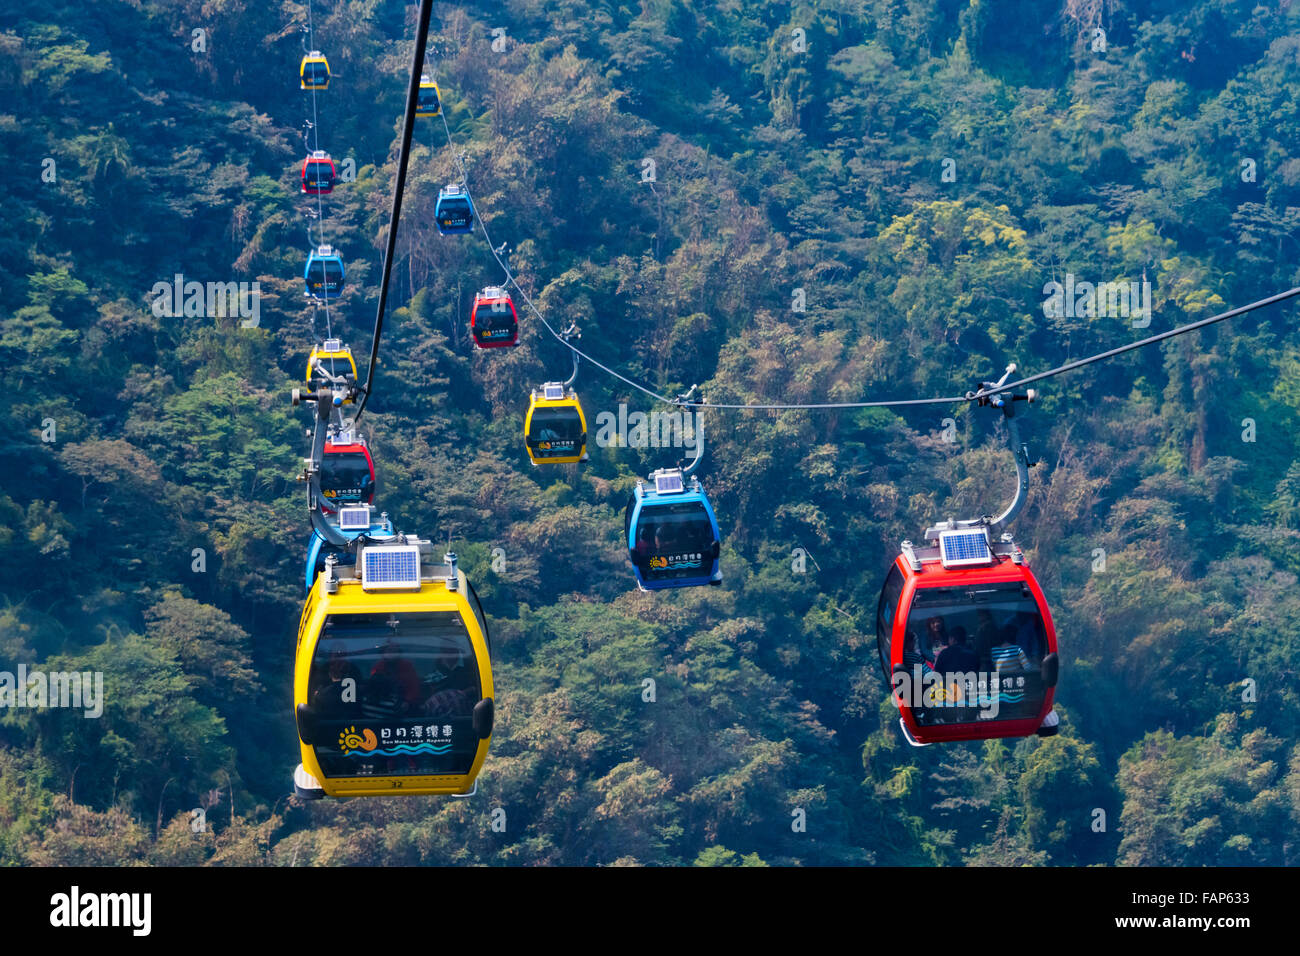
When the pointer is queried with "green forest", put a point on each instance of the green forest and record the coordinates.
(851, 200)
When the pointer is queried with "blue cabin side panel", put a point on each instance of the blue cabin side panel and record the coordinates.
(688, 497)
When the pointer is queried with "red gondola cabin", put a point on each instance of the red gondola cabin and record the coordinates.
(318, 173)
(492, 320)
(966, 640)
(347, 474)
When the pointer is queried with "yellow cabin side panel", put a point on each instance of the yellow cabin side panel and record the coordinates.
(536, 403)
(351, 599)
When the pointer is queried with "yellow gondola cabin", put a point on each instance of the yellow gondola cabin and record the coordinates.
(555, 430)
(314, 71)
(330, 359)
(392, 678)
(429, 99)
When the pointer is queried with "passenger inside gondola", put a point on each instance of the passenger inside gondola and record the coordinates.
(557, 425)
(338, 698)
(912, 657)
(1005, 656)
(645, 545)
(453, 692)
(392, 670)
(956, 657)
(1008, 655)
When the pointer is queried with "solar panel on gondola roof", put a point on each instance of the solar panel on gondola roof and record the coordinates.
(668, 484)
(961, 548)
(354, 519)
(392, 567)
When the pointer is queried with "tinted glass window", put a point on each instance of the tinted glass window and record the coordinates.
(395, 695)
(885, 613)
(454, 212)
(345, 476)
(555, 432)
(673, 541)
(320, 174)
(494, 324)
(325, 274)
(987, 642)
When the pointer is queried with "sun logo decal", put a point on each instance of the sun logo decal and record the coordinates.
(350, 740)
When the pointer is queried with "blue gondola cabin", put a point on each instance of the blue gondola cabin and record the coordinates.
(672, 534)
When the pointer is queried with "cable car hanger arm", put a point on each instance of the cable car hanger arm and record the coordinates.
(571, 333)
(996, 395)
(688, 400)
(1001, 397)
(327, 402)
(337, 380)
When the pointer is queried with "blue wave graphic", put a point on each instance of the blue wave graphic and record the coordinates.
(1003, 697)
(400, 749)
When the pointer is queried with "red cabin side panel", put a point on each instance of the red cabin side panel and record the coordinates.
(934, 574)
(487, 304)
(332, 449)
